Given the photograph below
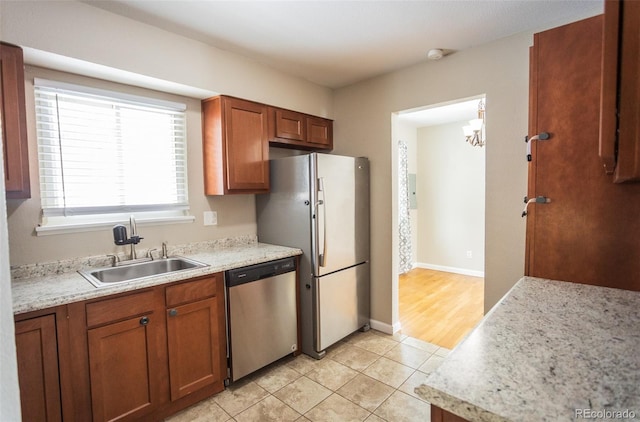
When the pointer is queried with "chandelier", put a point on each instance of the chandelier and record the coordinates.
(474, 132)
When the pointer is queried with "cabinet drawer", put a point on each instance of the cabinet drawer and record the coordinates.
(119, 308)
(192, 291)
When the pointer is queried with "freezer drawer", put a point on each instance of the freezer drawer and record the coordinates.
(342, 304)
(262, 320)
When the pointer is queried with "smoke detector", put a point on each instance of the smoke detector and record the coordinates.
(435, 54)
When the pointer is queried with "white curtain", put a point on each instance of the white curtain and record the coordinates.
(404, 222)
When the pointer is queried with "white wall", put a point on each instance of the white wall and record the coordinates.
(451, 189)
(236, 213)
(81, 32)
(363, 114)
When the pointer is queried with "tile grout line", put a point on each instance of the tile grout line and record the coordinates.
(307, 365)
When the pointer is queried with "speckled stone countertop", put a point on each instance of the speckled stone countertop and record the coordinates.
(548, 351)
(41, 286)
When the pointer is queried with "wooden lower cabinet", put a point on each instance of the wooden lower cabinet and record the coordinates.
(127, 355)
(141, 355)
(156, 351)
(441, 415)
(124, 365)
(38, 371)
(196, 337)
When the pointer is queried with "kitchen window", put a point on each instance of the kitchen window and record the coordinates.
(104, 156)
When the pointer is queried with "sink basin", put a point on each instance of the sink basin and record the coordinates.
(109, 275)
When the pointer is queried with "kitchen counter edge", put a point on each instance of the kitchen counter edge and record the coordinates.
(547, 351)
(46, 291)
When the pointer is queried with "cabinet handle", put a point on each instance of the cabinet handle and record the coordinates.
(144, 320)
(542, 136)
(173, 312)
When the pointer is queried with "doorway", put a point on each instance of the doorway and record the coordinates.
(441, 252)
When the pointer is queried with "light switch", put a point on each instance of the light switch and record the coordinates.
(210, 218)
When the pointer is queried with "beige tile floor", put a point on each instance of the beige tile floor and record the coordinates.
(366, 377)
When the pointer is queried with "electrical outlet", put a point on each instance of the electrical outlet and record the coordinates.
(210, 218)
(469, 254)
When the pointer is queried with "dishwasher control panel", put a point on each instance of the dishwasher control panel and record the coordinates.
(260, 271)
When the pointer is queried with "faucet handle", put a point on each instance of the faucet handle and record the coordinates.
(114, 259)
(149, 253)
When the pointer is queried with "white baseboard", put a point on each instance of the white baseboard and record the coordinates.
(384, 327)
(455, 270)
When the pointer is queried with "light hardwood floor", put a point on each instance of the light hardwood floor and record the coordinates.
(439, 307)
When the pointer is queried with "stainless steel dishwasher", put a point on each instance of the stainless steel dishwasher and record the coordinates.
(262, 313)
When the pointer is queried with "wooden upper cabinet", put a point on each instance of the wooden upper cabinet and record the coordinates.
(13, 123)
(320, 131)
(287, 124)
(620, 96)
(235, 146)
(291, 129)
(588, 232)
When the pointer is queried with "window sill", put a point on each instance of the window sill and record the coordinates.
(79, 227)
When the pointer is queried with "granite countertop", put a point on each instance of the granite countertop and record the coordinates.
(548, 351)
(41, 286)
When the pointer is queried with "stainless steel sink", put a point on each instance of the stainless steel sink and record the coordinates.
(109, 275)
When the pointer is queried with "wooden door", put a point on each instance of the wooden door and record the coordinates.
(589, 231)
(38, 373)
(247, 145)
(124, 366)
(195, 351)
(13, 123)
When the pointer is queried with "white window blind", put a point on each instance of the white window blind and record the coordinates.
(103, 152)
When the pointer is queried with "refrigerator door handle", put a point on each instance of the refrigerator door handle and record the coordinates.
(322, 257)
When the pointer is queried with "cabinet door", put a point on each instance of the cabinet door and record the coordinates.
(441, 415)
(194, 334)
(247, 146)
(123, 365)
(13, 124)
(38, 373)
(320, 131)
(628, 167)
(235, 146)
(589, 231)
(290, 125)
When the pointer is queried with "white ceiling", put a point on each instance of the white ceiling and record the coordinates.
(336, 43)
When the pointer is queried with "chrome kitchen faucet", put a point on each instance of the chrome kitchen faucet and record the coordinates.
(120, 238)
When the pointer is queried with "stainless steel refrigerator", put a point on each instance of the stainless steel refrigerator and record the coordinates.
(320, 204)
